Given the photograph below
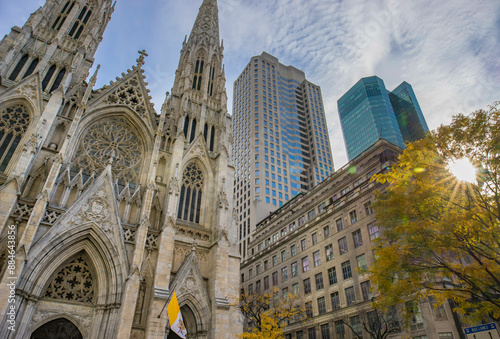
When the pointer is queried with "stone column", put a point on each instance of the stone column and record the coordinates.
(156, 326)
(134, 279)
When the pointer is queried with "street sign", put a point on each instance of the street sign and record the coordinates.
(485, 331)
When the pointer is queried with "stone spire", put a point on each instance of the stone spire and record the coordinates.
(206, 25)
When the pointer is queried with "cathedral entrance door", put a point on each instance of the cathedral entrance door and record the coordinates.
(57, 329)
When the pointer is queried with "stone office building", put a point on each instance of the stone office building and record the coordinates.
(314, 246)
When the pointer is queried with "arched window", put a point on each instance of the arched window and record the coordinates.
(198, 71)
(186, 126)
(211, 81)
(58, 80)
(193, 130)
(205, 132)
(58, 328)
(19, 67)
(61, 17)
(14, 121)
(80, 23)
(191, 194)
(212, 137)
(48, 76)
(31, 68)
(74, 282)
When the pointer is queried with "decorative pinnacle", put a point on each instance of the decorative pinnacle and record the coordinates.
(140, 61)
(93, 78)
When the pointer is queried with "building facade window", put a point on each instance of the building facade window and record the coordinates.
(343, 245)
(340, 225)
(368, 208)
(275, 278)
(332, 275)
(197, 77)
(317, 258)
(356, 325)
(305, 264)
(329, 252)
(80, 22)
(284, 274)
(346, 270)
(373, 231)
(334, 297)
(357, 238)
(365, 290)
(339, 329)
(319, 281)
(353, 216)
(295, 271)
(350, 297)
(325, 331)
(321, 305)
(191, 194)
(361, 260)
(14, 121)
(307, 286)
(326, 231)
(303, 244)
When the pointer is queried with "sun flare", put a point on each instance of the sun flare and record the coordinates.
(463, 170)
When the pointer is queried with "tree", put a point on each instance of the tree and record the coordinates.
(441, 236)
(378, 324)
(267, 315)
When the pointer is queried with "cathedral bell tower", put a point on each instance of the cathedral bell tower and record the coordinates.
(115, 206)
(59, 41)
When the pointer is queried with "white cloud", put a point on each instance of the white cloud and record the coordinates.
(447, 50)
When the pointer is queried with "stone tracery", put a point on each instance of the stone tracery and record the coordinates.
(14, 121)
(73, 282)
(111, 140)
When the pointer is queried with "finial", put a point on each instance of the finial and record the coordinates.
(93, 78)
(140, 61)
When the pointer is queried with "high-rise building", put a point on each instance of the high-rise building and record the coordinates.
(368, 112)
(281, 145)
(110, 206)
(410, 118)
(315, 246)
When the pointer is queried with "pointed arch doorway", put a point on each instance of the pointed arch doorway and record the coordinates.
(57, 329)
(190, 323)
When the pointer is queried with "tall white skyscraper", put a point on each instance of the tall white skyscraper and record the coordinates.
(281, 145)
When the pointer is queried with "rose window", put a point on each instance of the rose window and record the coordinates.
(114, 141)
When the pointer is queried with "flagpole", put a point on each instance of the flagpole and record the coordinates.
(166, 303)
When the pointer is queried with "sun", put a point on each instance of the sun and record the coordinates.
(463, 170)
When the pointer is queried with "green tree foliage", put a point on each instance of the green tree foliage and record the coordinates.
(268, 315)
(441, 236)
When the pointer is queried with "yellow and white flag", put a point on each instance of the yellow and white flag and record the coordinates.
(175, 317)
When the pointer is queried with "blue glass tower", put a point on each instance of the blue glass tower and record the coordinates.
(368, 112)
(410, 118)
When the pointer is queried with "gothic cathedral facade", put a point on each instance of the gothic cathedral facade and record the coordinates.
(106, 206)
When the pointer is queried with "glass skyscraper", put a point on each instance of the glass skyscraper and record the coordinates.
(368, 112)
(281, 145)
(410, 118)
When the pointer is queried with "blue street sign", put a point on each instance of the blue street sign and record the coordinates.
(480, 328)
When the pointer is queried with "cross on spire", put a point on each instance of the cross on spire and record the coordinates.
(140, 60)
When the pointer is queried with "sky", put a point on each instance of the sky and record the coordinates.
(448, 50)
